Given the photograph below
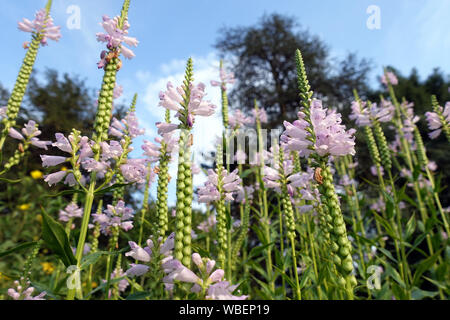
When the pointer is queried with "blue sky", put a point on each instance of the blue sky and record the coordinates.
(413, 33)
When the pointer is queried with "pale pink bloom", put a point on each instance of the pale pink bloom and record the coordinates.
(40, 144)
(3, 111)
(134, 170)
(50, 161)
(238, 120)
(260, 115)
(197, 259)
(137, 270)
(71, 211)
(223, 291)
(41, 25)
(62, 143)
(225, 77)
(115, 216)
(30, 129)
(240, 157)
(331, 136)
(435, 122)
(15, 134)
(209, 191)
(138, 253)
(389, 77)
(195, 169)
(20, 293)
(54, 178)
(432, 166)
(374, 171)
(208, 224)
(164, 128)
(360, 114)
(116, 36)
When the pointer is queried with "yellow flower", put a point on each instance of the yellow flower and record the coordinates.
(94, 285)
(24, 207)
(4, 277)
(36, 174)
(63, 168)
(47, 267)
(39, 218)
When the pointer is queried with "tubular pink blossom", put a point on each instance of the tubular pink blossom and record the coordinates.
(15, 134)
(51, 161)
(54, 178)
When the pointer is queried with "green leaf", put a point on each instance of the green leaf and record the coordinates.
(286, 277)
(201, 251)
(56, 239)
(111, 188)
(256, 251)
(141, 295)
(418, 294)
(387, 254)
(17, 248)
(92, 258)
(425, 265)
(10, 180)
(395, 275)
(103, 285)
(41, 288)
(247, 172)
(386, 225)
(410, 227)
(64, 193)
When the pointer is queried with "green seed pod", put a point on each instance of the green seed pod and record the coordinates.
(421, 152)
(29, 261)
(184, 186)
(371, 144)
(338, 234)
(382, 145)
(286, 201)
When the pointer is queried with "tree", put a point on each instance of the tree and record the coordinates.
(263, 62)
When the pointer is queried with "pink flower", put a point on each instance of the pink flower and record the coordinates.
(435, 122)
(209, 191)
(172, 99)
(261, 115)
(115, 216)
(54, 178)
(50, 161)
(137, 270)
(138, 253)
(238, 120)
(225, 77)
(135, 170)
(3, 112)
(331, 136)
(40, 144)
(115, 36)
(20, 293)
(164, 128)
(389, 77)
(62, 143)
(71, 211)
(113, 150)
(15, 134)
(208, 224)
(223, 291)
(41, 25)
